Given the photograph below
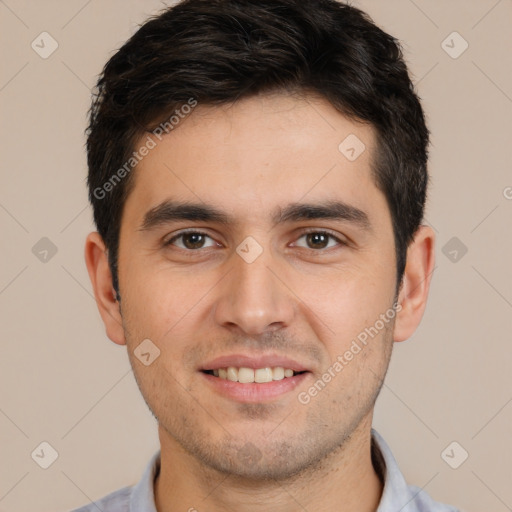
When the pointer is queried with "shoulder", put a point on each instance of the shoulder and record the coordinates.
(397, 494)
(139, 497)
(117, 501)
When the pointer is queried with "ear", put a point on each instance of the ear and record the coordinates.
(412, 298)
(96, 259)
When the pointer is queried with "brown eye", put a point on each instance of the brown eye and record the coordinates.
(317, 240)
(320, 240)
(191, 240)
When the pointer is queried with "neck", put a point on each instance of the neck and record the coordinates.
(344, 480)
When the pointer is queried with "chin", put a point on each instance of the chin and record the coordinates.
(266, 469)
(278, 461)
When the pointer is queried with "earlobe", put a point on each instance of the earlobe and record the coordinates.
(96, 259)
(415, 286)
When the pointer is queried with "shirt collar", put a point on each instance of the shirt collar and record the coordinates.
(396, 492)
(143, 494)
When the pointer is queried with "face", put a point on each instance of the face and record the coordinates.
(287, 258)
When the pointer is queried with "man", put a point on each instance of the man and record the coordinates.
(257, 171)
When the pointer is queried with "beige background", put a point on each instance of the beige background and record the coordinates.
(64, 382)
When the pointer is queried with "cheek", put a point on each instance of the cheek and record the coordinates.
(344, 302)
(157, 294)
(165, 306)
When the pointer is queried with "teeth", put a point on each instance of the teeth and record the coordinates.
(233, 374)
(278, 373)
(245, 375)
(249, 375)
(262, 375)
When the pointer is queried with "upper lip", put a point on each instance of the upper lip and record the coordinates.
(254, 361)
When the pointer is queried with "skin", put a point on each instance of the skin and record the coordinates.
(300, 298)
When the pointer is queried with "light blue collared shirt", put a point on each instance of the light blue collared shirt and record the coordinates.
(397, 496)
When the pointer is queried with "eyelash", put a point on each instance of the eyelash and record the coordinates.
(196, 232)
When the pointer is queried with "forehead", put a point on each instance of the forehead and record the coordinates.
(257, 154)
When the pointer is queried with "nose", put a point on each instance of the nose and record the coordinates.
(254, 297)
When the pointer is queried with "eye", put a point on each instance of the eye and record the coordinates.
(190, 240)
(320, 240)
(195, 240)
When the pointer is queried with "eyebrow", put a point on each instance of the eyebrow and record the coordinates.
(169, 211)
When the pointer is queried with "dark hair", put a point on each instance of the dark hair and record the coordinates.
(218, 51)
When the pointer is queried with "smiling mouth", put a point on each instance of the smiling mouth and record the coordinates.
(246, 375)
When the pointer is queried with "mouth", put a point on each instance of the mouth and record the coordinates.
(253, 379)
(246, 375)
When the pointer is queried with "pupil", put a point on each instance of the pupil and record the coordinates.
(196, 240)
(318, 239)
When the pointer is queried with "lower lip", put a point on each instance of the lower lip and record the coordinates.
(254, 392)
